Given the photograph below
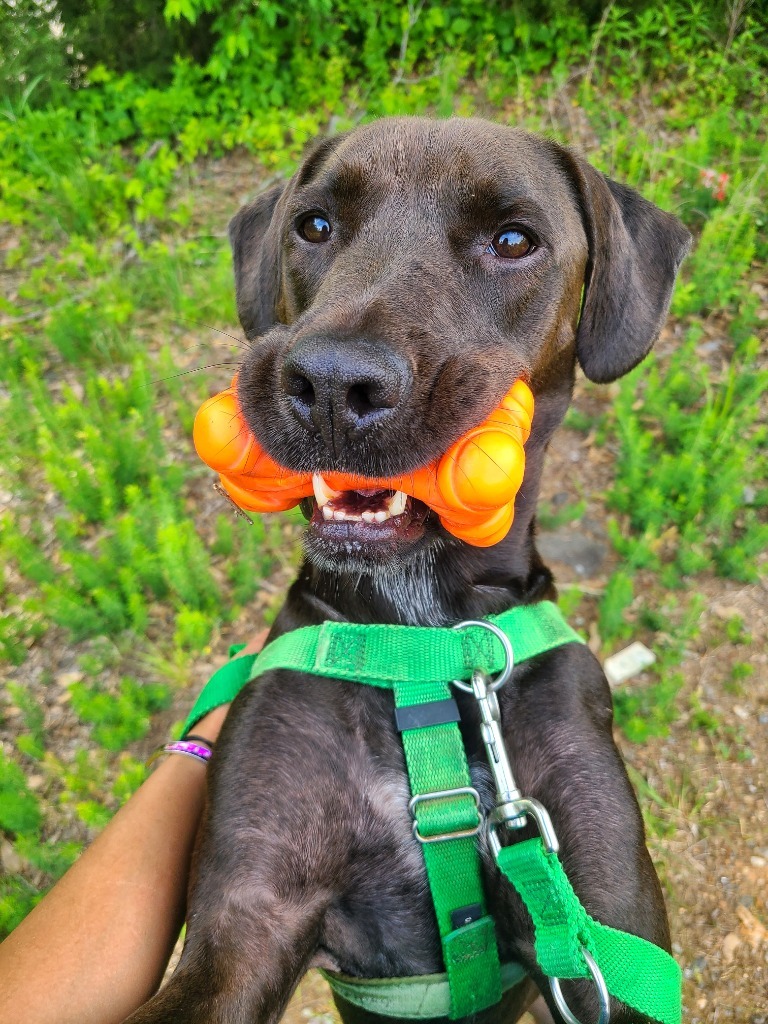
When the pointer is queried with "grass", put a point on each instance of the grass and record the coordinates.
(112, 258)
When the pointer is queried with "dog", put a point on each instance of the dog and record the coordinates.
(392, 291)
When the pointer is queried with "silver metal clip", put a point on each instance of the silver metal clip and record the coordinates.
(512, 808)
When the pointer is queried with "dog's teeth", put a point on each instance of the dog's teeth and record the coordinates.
(380, 517)
(327, 512)
(323, 493)
(339, 516)
(369, 517)
(396, 503)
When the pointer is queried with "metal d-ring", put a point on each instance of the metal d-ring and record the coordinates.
(506, 672)
(602, 993)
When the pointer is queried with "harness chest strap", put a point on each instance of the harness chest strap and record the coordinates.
(637, 972)
(382, 655)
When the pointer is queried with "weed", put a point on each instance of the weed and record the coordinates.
(734, 630)
(122, 717)
(552, 518)
(31, 743)
(618, 595)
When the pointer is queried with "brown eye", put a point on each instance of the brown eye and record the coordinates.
(314, 228)
(511, 244)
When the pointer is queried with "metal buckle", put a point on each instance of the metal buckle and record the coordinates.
(444, 794)
(506, 672)
(602, 993)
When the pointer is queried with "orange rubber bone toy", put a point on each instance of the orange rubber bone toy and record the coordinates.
(472, 487)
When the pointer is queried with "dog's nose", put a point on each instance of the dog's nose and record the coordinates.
(341, 387)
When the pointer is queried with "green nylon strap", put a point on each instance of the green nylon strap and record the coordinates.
(637, 972)
(223, 686)
(419, 998)
(382, 655)
(436, 762)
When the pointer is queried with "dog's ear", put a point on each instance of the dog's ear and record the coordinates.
(256, 257)
(635, 250)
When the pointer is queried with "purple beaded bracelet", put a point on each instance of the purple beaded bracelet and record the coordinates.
(189, 748)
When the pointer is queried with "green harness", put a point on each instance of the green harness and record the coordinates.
(419, 664)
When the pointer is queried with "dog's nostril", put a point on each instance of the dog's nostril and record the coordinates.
(361, 399)
(299, 386)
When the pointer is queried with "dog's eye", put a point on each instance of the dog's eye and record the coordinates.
(511, 244)
(314, 228)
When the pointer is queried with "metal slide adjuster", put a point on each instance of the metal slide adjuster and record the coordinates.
(602, 993)
(506, 672)
(445, 794)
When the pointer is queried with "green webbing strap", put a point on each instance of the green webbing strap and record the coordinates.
(223, 686)
(418, 998)
(437, 762)
(637, 972)
(382, 655)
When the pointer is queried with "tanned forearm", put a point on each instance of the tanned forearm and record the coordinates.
(96, 947)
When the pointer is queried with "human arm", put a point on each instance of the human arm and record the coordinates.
(96, 947)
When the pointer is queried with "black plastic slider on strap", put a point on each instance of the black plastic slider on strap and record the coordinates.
(434, 712)
(466, 915)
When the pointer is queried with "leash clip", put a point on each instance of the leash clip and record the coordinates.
(512, 808)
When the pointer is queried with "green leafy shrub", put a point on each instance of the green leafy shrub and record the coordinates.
(691, 463)
(122, 717)
(19, 810)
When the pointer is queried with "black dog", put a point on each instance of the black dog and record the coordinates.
(399, 283)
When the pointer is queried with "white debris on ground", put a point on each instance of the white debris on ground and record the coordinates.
(628, 663)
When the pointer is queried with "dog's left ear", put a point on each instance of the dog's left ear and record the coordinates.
(635, 250)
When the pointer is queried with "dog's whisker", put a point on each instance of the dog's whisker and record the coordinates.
(184, 373)
(210, 327)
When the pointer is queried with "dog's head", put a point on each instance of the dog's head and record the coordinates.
(400, 282)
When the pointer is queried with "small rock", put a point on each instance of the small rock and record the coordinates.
(628, 663)
(585, 556)
(731, 943)
(10, 860)
(726, 611)
(68, 678)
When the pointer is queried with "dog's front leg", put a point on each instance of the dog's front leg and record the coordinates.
(557, 725)
(241, 962)
(264, 871)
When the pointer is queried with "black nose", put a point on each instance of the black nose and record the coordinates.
(342, 387)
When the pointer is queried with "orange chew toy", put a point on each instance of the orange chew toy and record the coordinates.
(472, 487)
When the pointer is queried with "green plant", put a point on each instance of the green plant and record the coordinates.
(32, 743)
(618, 595)
(19, 809)
(685, 456)
(121, 717)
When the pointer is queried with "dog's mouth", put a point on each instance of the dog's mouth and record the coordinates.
(363, 521)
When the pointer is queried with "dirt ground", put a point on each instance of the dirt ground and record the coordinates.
(703, 787)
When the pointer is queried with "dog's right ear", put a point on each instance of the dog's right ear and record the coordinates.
(256, 257)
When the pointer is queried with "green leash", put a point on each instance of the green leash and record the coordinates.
(417, 664)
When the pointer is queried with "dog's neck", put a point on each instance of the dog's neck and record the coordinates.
(447, 583)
